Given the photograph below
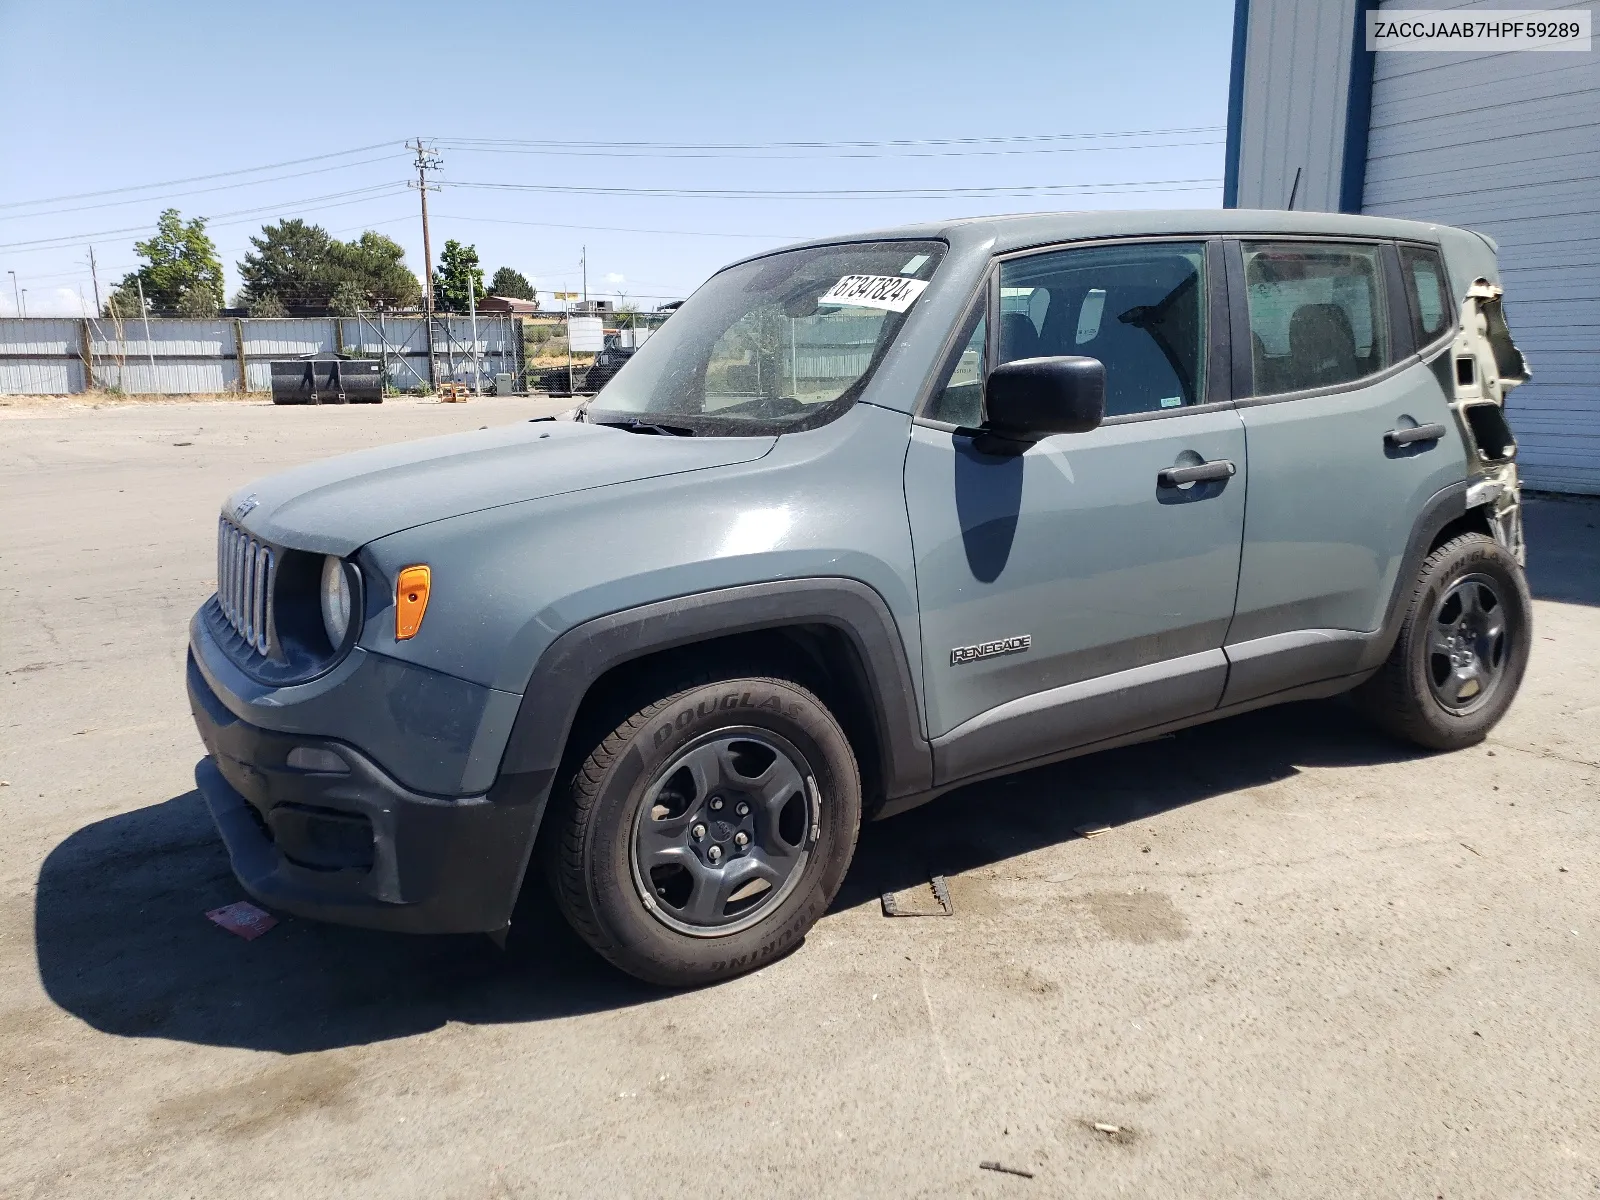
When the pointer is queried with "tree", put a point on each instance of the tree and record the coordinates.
(507, 282)
(348, 299)
(181, 271)
(198, 303)
(292, 262)
(267, 306)
(457, 265)
(301, 265)
(376, 265)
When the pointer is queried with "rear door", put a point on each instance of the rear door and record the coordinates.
(1337, 405)
(1066, 595)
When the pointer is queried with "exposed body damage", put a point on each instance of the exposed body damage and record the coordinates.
(1486, 365)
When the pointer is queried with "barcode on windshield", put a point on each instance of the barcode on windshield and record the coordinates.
(892, 292)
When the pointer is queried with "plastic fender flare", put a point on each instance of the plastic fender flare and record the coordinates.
(572, 663)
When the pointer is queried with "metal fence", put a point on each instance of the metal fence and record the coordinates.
(167, 355)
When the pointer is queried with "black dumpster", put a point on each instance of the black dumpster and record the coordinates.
(327, 379)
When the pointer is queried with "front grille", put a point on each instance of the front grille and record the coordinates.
(246, 571)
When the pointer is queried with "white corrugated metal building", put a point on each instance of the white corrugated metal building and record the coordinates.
(1505, 143)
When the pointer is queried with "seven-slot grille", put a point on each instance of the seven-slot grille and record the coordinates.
(246, 570)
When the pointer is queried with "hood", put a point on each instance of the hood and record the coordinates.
(340, 504)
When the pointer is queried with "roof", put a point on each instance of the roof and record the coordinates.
(510, 304)
(1018, 232)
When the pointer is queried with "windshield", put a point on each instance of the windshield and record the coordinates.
(782, 343)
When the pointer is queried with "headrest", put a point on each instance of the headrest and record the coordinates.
(1018, 337)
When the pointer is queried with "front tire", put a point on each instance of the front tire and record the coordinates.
(704, 835)
(1462, 649)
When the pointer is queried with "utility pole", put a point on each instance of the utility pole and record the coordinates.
(427, 161)
(24, 301)
(95, 275)
(585, 260)
(472, 311)
(15, 298)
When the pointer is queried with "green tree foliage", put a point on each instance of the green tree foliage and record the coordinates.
(181, 271)
(266, 306)
(507, 282)
(291, 262)
(348, 299)
(377, 266)
(457, 265)
(300, 265)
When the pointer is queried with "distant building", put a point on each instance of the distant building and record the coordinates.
(508, 304)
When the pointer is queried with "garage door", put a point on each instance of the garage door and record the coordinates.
(1507, 144)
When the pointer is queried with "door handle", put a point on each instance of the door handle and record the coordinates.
(1417, 433)
(1217, 468)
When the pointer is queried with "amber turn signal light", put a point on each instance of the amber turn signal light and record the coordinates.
(410, 601)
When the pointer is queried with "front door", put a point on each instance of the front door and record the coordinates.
(1068, 594)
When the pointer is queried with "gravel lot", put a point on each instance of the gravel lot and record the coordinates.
(1305, 961)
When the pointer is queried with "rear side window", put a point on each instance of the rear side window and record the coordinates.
(1140, 309)
(1316, 314)
(1432, 313)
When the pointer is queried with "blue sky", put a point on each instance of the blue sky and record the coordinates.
(99, 96)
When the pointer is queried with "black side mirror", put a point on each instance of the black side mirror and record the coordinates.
(1033, 398)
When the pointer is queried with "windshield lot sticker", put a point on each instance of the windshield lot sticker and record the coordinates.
(875, 291)
(1010, 645)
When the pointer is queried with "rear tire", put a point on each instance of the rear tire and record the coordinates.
(1462, 649)
(704, 835)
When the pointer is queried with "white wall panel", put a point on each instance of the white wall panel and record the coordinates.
(1296, 85)
(1509, 144)
(44, 355)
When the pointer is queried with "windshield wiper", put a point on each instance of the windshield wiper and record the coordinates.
(637, 426)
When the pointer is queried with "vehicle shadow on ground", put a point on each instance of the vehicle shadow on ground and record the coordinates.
(1563, 535)
(123, 944)
(999, 819)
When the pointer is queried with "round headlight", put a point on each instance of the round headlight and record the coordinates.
(335, 600)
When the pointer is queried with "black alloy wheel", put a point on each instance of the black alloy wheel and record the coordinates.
(1467, 644)
(724, 832)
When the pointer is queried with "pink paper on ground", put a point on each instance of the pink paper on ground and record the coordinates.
(244, 919)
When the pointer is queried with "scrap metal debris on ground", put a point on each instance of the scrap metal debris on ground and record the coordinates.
(1004, 1170)
(244, 919)
(913, 901)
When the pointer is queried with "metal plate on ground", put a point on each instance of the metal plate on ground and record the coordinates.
(931, 900)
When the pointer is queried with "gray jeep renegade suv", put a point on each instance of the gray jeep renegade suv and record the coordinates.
(868, 519)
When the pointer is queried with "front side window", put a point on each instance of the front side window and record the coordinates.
(780, 343)
(1432, 312)
(1139, 309)
(1316, 314)
(960, 400)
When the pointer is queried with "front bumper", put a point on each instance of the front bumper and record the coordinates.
(354, 846)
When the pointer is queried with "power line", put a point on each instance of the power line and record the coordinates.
(619, 228)
(675, 155)
(310, 204)
(1015, 139)
(199, 191)
(145, 187)
(1033, 189)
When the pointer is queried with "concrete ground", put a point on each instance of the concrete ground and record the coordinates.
(1305, 961)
